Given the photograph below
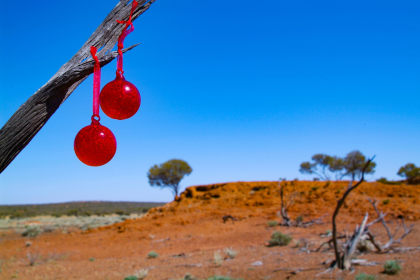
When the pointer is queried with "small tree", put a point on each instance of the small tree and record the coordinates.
(321, 160)
(409, 171)
(352, 166)
(169, 174)
(354, 163)
(337, 166)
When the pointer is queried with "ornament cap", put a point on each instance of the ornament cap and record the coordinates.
(120, 75)
(95, 121)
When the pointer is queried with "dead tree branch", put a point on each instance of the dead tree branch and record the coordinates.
(329, 243)
(352, 244)
(283, 206)
(389, 245)
(338, 257)
(27, 121)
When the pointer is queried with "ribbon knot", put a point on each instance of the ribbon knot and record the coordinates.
(124, 34)
(93, 51)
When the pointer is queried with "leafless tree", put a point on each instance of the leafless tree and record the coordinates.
(284, 206)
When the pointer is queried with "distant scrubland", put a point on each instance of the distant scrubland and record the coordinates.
(84, 208)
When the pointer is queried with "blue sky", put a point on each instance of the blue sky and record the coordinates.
(241, 90)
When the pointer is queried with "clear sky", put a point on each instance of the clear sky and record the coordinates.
(241, 90)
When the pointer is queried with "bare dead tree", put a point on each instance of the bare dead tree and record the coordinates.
(284, 206)
(27, 121)
(338, 255)
(392, 241)
(346, 238)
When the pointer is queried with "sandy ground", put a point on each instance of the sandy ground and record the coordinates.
(186, 234)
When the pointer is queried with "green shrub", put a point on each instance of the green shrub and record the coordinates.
(31, 231)
(56, 215)
(188, 276)
(272, 223)
(120, 212)
(139, 275)
(299, 219)
(16, 216)
(279, 239)
(73, 212)
(221, 278)
(392, 267)
(87, 214)
(385, 201)
(152, 255)
(363, 276)
(383, 180)
(314, 188)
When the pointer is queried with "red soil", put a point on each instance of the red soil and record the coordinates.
(193, 223)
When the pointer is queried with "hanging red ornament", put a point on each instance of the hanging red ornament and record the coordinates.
(120, 99)
(95, 144)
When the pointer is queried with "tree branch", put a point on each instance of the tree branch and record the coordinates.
(388, 245)
(28, 120)
(339, 261)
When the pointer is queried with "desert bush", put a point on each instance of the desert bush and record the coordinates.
(31, 231)
(222, 278)
(152, 255)
(279, 239)
(142, 273)
(363, 276)
(33, 258)
(383, 180)
(385, 201)
(56, 215)
(48, 228)
(188, 276)
(299, 219)
(218, 259)
(145, 210)
(139, 275)
(121, 213)
(231, 253)
(392, 267)
(73, 212)
(16, 216)
(272, 223)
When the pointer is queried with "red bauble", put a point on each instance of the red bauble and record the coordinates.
(120, 99)
(95, 144)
